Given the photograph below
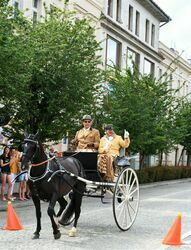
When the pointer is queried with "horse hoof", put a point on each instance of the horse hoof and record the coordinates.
(36, 236)
(57, 236)
(72, 232)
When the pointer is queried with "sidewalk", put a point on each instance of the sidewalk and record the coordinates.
(16, 203)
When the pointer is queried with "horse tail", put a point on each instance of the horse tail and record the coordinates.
(74, 206)
(67, 215)
(76, 195)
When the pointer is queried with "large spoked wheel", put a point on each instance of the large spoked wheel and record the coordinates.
(126, 199)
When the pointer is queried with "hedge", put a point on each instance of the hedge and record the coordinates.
(161, 173)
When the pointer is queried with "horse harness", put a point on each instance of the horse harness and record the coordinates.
(48, 170)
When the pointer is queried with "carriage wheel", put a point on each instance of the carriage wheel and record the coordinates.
(126, 199)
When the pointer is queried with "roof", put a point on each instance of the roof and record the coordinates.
(155, 10)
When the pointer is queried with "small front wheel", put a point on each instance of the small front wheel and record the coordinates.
(126, 199)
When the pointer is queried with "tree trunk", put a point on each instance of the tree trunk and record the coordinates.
(160, 158)
(188, 159)
(176, 157)
(141, 161)
(181, 156)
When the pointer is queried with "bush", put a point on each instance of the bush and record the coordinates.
(161, 173)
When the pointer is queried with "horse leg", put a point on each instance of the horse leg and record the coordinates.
(36, 202)
(77, 201)
(51, 214)
(63, 203)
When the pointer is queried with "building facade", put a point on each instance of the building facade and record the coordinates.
(180, 78)
(129, 29)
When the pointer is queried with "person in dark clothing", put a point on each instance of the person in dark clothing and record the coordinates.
(5, 161)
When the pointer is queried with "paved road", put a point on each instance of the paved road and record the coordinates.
(159, 207)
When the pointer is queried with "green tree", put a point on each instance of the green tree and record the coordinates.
(59, 70)
(146, 108)
(10, 59)
(183, 125)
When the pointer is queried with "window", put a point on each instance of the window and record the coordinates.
(159, 72)
(118, 14)
(137, 23)
(184, 89)
(53, 8)
(187, 89)
(170, 81)
(35, 4)
(148, 67)
(153, 35)
(133, 60)
(36, 14)
(16, 5)
(34, 18)
(110, 8)
(113, 52)
(147, 24)
(130, 22)
(16, 8)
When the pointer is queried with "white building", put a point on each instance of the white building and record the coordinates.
(180, 78)
(129, 29)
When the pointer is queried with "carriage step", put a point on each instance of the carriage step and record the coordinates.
(93, 195)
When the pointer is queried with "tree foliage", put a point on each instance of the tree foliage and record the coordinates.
(10, 59)
(146, 108)
(183, 123)
(54, 71)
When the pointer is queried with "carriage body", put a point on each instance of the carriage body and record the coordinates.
(125, 188)
(89, 163)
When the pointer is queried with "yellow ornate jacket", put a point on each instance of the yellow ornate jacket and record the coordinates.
(113, 146)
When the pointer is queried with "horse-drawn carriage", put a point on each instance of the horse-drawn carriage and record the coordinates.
(51, 179)
(124, 189)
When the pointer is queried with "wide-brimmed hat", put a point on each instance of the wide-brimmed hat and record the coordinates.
(108, 127)
(87, 117)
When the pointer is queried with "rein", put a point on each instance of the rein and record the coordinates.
(41, 163)
(38, 178)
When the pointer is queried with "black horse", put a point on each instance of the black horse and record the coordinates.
(45, 185)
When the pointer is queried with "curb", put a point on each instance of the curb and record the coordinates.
(163, 183)
(19, 204)
(16, 204)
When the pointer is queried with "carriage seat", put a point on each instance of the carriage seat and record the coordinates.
(89, 163)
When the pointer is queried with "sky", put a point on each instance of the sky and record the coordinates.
(177, 33)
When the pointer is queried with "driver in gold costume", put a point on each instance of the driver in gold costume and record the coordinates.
(87, 138)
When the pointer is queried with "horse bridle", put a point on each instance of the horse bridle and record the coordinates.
(33, 141)
(38, 178)
(48, 170)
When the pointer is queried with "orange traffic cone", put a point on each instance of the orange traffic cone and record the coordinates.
(13, 222)
(173, 237)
